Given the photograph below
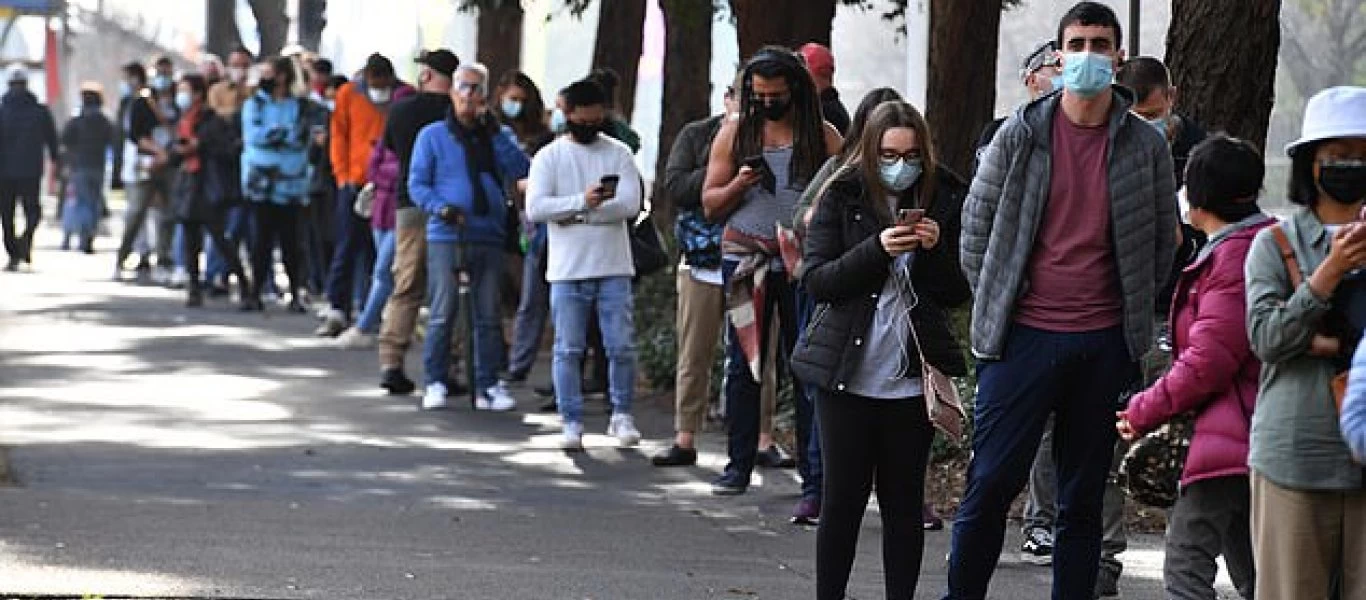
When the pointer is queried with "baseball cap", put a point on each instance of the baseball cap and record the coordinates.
(442, 61)
(1043, 55)
(818, 58)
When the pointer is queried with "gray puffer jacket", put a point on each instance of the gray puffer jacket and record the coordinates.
(1006, 203)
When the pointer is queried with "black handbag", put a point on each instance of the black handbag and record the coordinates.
(647, 247)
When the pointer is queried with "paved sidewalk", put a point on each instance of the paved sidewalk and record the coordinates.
(162, 451)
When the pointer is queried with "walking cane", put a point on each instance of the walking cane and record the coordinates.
(454, 218)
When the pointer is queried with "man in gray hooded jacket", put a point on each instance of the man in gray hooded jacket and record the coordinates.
(1068, 231)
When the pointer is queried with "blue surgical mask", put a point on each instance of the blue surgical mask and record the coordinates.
(558, 122)
(183, 100)
(900, 174)
(161, 82)
(1087, 74)
(512, 108)
(125, 89)
(1056, 82)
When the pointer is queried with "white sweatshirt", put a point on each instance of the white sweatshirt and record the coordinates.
(584, 243)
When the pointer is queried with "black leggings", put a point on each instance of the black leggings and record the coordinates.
(866, 441)
(275, 223)
(194, 245)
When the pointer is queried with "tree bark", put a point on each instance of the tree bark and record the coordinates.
(620, 39)
(272, 24)
(1226, 74)
(500, 36)
(312, 21)
(812, 23)
(687, 71)
(787, 23)
(221, 27)
(961, 91)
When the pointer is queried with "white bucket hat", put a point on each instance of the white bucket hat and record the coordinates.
(1337, 112)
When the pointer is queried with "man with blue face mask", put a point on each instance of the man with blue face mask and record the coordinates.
(1155, 102)
(1068, 232)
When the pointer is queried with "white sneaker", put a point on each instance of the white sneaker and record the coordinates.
(355, 339)
(435, 398)
(496, 399)
(180, 278)
(623, 427)
(573, 437)
(332, 325)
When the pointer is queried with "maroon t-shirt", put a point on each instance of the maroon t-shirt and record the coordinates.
(1073, 278)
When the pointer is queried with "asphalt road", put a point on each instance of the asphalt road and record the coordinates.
(162, 451)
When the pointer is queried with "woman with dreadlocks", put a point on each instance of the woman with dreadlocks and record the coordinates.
(758, 168)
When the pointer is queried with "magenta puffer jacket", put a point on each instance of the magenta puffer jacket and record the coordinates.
(1214, 372)
(383, 171)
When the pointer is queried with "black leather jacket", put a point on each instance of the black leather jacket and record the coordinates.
(846, 269)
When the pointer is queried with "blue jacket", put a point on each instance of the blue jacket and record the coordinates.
(26, 128)
(276, 136)
(1353, 419)
(438, 177)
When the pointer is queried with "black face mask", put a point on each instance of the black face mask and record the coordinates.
(267, 85)
(583, 133)
(1345, 183)
(775, 110)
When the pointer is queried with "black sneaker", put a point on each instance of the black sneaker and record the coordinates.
(675, 456)
(1037, 548)
(545, 391)
(774, 457)
(396, 382)
(729, 484)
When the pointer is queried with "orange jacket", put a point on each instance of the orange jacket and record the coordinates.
(356, 125)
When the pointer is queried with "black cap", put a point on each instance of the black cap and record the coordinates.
(442, 61)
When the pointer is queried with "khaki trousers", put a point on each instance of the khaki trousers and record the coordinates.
(700, 319)
(1301, 538)
(410, 289)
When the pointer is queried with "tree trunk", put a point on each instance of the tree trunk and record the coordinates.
(312, 21)
(962, 77)
(757, 24)
(272, 24)
(221, 27)
(621, 37)
(500, 37)
(1226, 74)
(687, 71)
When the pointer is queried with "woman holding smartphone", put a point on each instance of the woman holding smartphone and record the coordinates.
(882, 266)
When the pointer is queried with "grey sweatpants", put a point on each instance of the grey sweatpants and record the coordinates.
(1211, 518)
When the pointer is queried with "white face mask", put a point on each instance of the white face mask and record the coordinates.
(237, 74)
(380, 95)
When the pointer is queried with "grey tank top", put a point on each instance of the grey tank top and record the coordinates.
(760, 209)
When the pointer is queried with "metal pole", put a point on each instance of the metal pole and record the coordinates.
(1134, 14)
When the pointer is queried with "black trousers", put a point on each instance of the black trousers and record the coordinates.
(869, 443)
(275, 224)
(194, 245)
(15, 193)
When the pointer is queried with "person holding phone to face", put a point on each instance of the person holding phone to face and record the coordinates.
(881, 263)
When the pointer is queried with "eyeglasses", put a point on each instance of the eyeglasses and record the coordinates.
(888, 156)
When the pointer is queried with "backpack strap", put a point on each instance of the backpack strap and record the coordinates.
(1292, 264)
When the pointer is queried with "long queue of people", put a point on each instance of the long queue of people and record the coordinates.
(825, 250)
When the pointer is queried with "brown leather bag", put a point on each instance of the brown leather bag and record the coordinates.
(1338, 385)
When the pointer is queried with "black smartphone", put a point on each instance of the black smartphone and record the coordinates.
(755, 162)
(609, 185)
(909, 216)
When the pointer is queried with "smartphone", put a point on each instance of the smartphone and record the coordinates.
(755, 162)
(609, 185)
(909, 216)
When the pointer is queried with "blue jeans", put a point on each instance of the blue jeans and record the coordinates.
(382, 284)
(355, 252)
(742, 391)
(813, 477)
(572, 303)
(237, 232)
(82, 218)
(1078, 378)
(532, 310)
(484, 263)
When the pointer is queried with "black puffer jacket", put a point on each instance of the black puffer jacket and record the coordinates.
(26, 128)
(846, 268)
